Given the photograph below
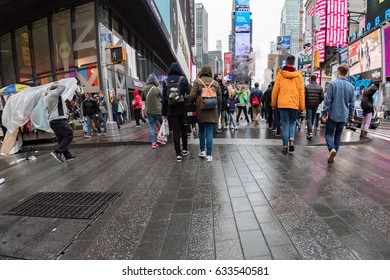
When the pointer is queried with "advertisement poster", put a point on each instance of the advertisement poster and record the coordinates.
(283, 42)
(228, 64)
(337, 23)
(344, 56)
(242, 3)
(387, 51)
(366, 55)
(243, 44)
(243, 21)
(377, 12)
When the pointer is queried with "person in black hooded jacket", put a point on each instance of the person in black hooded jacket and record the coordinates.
(175, 112)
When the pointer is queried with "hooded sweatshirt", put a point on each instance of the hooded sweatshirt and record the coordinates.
(174, 75)
(152, 96)
(289, 90)
(137, 100)
(54, 103)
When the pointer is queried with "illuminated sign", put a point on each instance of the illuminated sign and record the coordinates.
(337, 23)
(321, 35)
(283, 42)
(386, 32)
(243, 21)
(242, 3)
(344, 55)
(228, 62)
(243, 45)
(377, 12)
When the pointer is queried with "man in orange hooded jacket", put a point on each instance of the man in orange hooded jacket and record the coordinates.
(288, 95)
(137, 105)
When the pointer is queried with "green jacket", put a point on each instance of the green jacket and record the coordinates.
(243, 96)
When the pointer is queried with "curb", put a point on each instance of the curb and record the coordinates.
(360, 142)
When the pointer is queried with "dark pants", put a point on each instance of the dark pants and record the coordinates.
(310, 115)
(64, 135)
(333, 133)
(138, 116)
(277, 121)
(240, 109)
(179, 131)
(1, 124)
(269, 116)
(116, 118)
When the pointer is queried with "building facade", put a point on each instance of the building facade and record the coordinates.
(201, 31)
(290, 23)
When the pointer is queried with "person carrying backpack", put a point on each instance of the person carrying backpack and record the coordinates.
(208, 96)
(255, 99)
(175, 88)
(367, 105)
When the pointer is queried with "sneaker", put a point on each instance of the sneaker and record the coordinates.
(318, 129)
(185, 153)
(202, 154)
(332, 155)
(154, 145)
(235, 128)
(162, 142)
(309, 136)
(71, 158)
(87, 136)
(137, 126)
(2, 180)
(277, 134)
(178, 158)
(57, 156)
(209, 158)
(100, 134)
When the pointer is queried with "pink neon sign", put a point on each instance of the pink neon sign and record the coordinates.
(321, 35)
(337, 23)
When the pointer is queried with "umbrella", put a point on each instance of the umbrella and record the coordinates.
(13, 88)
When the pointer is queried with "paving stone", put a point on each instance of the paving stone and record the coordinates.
(253, 244)
(264, 214)
(186, 193)
(225, 229)
(285, 252)
(246, 221)
(360, 247)
(203, 255)
(240, 204)
(174, 247)
(338, 226)
(179, 224)
(237, 191)
(223, 210)
(308, 247)
(155, 231)
(233, 181)
(257, 199)
(351, 219)
(251, 187)
(148, 251)
(275, 234)
(162, 212)
(182, 206)
(322, 210)
(342, 253)
(228, 250)
(247, 178)
(201, 242)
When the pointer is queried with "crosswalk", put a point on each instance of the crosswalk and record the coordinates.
(382, 132)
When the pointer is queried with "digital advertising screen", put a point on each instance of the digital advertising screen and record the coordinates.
(243, 21)
(321, 35)
(386, 33)
(242, 3)
(344, 55)
(243, 44)
(228, 64)
(336, 23)
(283, 42)
(377, 12)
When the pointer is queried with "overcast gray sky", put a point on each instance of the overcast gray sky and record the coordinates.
(266, 26)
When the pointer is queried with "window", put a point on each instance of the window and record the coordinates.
(62, 38)
(41, 47)
(7, 60)
(23, 54)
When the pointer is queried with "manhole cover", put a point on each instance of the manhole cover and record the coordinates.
(68, 205)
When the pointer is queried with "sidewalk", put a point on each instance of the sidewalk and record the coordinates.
(249, 135)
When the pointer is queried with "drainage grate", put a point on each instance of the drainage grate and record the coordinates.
(68, 205)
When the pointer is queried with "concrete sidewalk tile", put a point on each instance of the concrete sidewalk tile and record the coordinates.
(251, 187)
(179, 224)
(220, 195)
(186, 193)
(338, 226)
(240, 204)
(148, 251)
(361, 249)
(233, 181)
(155, 231)
(275, 234)
(222, 210)
(246, 221)
(257, 199)
(182, 206)
(228, 250)
(285, 252)
(342, 253)
(225, 229)
(202, 255)
(308, 247)
(174, 247)
(253, 244)
(264, 214)
(237, 191)
(201, 242)
(247, 178)
(322, 210)
(350, 218)
(162, 212)
(259, 174)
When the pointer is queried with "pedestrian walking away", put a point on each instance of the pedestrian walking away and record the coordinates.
(218, 79)
(152, 97)
(338, 108)
(90, 114)
(255, 100)
(175, 89)
(225, 97)
(58, 118)
(207, 94)
(243, 96)
(367, 106)
(103, 110)
(288, 96)
(137, 105)
(314, 95)
(267, 103)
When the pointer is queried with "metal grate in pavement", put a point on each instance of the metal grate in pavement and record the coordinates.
(68, 205)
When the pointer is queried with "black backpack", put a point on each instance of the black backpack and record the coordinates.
(366, 105)
(174, 96)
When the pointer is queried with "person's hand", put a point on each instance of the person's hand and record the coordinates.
(165, 118)
(324, 118)
(228, 105)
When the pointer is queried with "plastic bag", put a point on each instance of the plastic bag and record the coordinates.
(164, 131)
(85, 126)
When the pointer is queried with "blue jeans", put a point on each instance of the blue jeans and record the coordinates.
(310, 115)
(277, 121)
(206, 135)
(105, 118)
(89, 123)
(152, 121)
(288, 118)
(231, 119)
(333, 129)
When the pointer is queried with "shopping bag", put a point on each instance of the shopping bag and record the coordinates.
(85, 127)
(164, 131)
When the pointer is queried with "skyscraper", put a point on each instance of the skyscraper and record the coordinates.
(290, 23)
(201, 35)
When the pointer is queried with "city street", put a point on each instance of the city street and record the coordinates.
(250, 202)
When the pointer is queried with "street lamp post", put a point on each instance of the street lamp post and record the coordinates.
(313, 28)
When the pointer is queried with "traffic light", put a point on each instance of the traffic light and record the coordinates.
(118, 54)
(317, 59)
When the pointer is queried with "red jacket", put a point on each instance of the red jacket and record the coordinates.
(137, 100)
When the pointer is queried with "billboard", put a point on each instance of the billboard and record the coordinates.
(228, 64)
(321, 35)
(365, 57)
(344, 55)
(243, 44)
(242, 3)
(243, 21)
(377, 12)
(337, 23)
(386, 39)
(283, 42)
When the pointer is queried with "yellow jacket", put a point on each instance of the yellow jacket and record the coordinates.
(289, 91)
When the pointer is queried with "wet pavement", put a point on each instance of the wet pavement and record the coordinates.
(251, 202)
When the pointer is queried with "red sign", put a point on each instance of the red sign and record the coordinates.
(321, 35)
(337, 23)
(228, 64)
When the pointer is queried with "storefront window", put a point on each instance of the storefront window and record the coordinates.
(105, 15)
(23, 54)
(7, 60)
(85, 41)
(41, 47)
(62, 37)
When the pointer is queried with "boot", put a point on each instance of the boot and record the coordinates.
(362, 134)
(365, 135)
